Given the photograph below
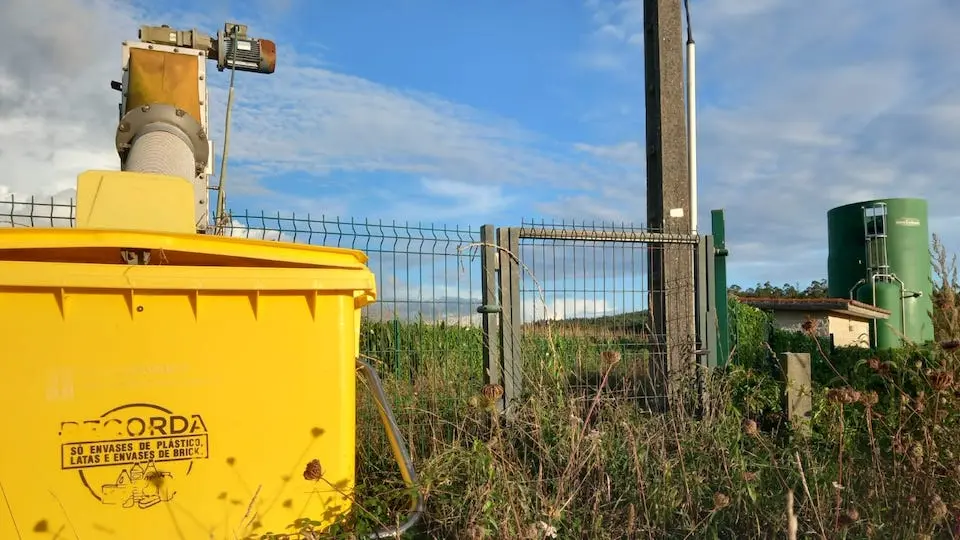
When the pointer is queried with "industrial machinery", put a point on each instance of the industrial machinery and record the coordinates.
(878, 254)
(161, 380)
(164, 120)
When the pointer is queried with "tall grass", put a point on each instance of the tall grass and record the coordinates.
(879, 458)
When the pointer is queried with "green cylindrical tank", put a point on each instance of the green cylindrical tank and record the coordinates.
(908, 258)
(885, 333)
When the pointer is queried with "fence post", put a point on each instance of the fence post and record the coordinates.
(795, 371)
(710, 338)
(706, 342)
(720, 286)
(511, 318)
(702, 300)
(490, 309)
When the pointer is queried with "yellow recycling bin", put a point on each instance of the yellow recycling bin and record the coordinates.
(166, 386)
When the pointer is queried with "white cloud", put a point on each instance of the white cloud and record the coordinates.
(59, 114)
(58, 111)
(535, 309)
(627, 153)
(806, 106)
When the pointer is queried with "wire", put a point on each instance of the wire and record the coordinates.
(221, 186)
(686, 11)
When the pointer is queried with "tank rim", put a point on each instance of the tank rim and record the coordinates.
(859, 204)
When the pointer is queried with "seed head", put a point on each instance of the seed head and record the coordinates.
(313, 471)
(750, 427)
(950, 345)
(938, 509)
(941, 380)
(920, 402)
(849, 517)
(845, 395)
(610, 358)
(492, 392)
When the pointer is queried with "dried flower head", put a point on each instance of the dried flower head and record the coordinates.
(610, 358)
(492, 392)
(853, 514)
(878, 366)
(916, 450)
(843, 396)
(870, 398)
(720, 500)
(950, 345)
(938, 509)
(849, 517)
(920, 402)
(750, 427)
(313, 471)
(809, 326)
(941, 380)
(898, 446)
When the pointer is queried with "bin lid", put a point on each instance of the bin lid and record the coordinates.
(96, 246)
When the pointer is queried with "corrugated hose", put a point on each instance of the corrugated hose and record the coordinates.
(400, 453)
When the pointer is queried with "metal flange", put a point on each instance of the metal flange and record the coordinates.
(133, 123)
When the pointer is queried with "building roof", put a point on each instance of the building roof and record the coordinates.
(840, 306)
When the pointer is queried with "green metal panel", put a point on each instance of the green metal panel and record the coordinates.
(718, 229)
(846, 245)
(908, 256)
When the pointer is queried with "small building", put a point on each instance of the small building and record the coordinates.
(847, 322)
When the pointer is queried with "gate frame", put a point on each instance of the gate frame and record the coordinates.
(501, 307)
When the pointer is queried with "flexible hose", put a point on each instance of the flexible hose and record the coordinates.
(400, 454)
(160, 150)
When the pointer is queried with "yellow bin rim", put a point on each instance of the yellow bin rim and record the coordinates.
(76, 245)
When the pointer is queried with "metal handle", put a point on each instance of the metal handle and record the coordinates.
(400, 453)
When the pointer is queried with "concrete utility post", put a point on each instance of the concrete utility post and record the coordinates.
(671, 276)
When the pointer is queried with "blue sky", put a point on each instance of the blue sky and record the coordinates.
(489, 112)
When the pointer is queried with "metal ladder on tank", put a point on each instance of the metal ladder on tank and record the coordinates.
(875, 236)
(878, 266)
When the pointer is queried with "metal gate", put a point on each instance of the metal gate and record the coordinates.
(569, 300)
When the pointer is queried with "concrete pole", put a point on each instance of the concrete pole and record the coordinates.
(671, 275)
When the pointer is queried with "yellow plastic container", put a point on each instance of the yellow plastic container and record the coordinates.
(208, 394)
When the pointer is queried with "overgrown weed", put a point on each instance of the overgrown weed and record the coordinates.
(880, 458)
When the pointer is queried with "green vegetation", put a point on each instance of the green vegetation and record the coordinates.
(816, 289)
(579, 460)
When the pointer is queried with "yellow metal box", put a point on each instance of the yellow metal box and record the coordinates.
(207, 394)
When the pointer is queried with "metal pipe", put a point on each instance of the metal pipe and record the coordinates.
(903, 304)
(855, 287)
(692, 129)
(691, 117)
(400, 454)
